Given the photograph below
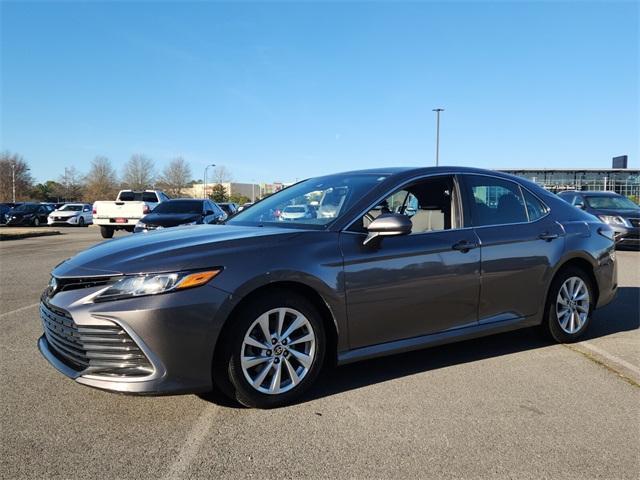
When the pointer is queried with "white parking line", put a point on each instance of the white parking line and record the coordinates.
(612, 358)
(192, 443)
(613, 362)
(18, 310)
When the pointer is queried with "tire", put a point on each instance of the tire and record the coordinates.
(36, 222)
(81, 222)
(106, 232)
(233, 376)
(566, 321)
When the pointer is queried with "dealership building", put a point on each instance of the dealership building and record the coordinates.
(620, 180)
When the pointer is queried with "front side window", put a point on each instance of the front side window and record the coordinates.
(493, 201)
(313, 203)
(431, 205)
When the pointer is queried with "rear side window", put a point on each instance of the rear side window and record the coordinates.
(494, 201)
(535, 208)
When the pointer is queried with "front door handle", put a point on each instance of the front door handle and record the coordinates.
(548, 236)
(464, 246)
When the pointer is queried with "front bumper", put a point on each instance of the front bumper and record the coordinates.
(627, 236)
(176, 331)
(63, 221)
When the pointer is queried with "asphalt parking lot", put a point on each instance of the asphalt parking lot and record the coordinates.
(508, 406)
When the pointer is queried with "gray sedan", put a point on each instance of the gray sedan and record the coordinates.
(397, 259)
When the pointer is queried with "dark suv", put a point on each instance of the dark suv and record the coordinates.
(611, 208)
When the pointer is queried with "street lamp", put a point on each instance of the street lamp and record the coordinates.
(204, 180)
(438, 110)
(13, 180)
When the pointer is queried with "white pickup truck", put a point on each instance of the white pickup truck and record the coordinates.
(123, 214)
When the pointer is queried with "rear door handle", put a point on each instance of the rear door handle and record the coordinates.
(464, 246)
(548, 236)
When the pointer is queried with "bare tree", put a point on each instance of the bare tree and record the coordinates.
(175, 176)
(220, 174)
(70, 185)
(13, 166)
(101, 183)
(139, 172)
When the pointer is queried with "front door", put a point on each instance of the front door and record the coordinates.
(412, 285)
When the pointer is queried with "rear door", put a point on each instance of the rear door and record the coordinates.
(520, 242)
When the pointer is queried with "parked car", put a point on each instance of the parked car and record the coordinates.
(258, 305)
(229, 208)
(28, 215)
(296, 212)
(245, 205)
(77, 214)
(184, 211)
(4, 209)
(618, 211)
(126, 211)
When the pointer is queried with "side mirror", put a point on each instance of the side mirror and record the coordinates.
(579, 205)
(388, 225)
(208, 212)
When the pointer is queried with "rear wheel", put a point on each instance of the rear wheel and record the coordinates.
(569, 305)
(106, 232)
(274, 352)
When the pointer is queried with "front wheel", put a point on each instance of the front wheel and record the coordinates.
(569, 305)
(81, 222)
(275, 353)
(36, 222)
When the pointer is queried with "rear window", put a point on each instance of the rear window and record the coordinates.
(138, 197)
(294, 209)
(187, 206)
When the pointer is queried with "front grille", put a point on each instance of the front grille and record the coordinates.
(635, 222)
(100, 350)
(76, 283)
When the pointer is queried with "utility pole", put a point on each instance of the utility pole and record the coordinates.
(13, 180)
(438, 110)
(204, 180)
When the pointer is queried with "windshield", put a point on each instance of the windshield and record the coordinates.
(72, 208)
(25, 208)
(602, 201)
(188, 206)
(322, 200)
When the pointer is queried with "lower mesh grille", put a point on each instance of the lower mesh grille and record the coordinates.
(100, 350)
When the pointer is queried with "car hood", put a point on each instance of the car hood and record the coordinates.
(170, 219)
(64, 213)
(170, 250)
(620, 212)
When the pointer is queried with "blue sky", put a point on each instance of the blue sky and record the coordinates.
(279, 91)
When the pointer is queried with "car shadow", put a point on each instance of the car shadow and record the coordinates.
(619, 316)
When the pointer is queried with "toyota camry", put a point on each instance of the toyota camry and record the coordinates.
(395, 260)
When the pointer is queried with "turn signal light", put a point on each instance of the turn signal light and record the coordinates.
(197, 279)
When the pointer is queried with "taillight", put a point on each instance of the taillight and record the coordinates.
(94, 210)
(145, 209)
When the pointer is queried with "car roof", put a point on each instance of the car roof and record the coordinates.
(602, 193)
(412, 171)
(186, 200)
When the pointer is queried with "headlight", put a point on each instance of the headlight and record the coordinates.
(612, 219)
(152, 284)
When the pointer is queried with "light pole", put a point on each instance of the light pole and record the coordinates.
(253, 191)
(438, 110)
(13, 181)
(204, 180)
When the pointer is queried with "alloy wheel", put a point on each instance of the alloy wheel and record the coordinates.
(278, 350)
(572, 305)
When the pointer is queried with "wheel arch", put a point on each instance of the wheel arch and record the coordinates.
(303, 289)
(584, 263)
